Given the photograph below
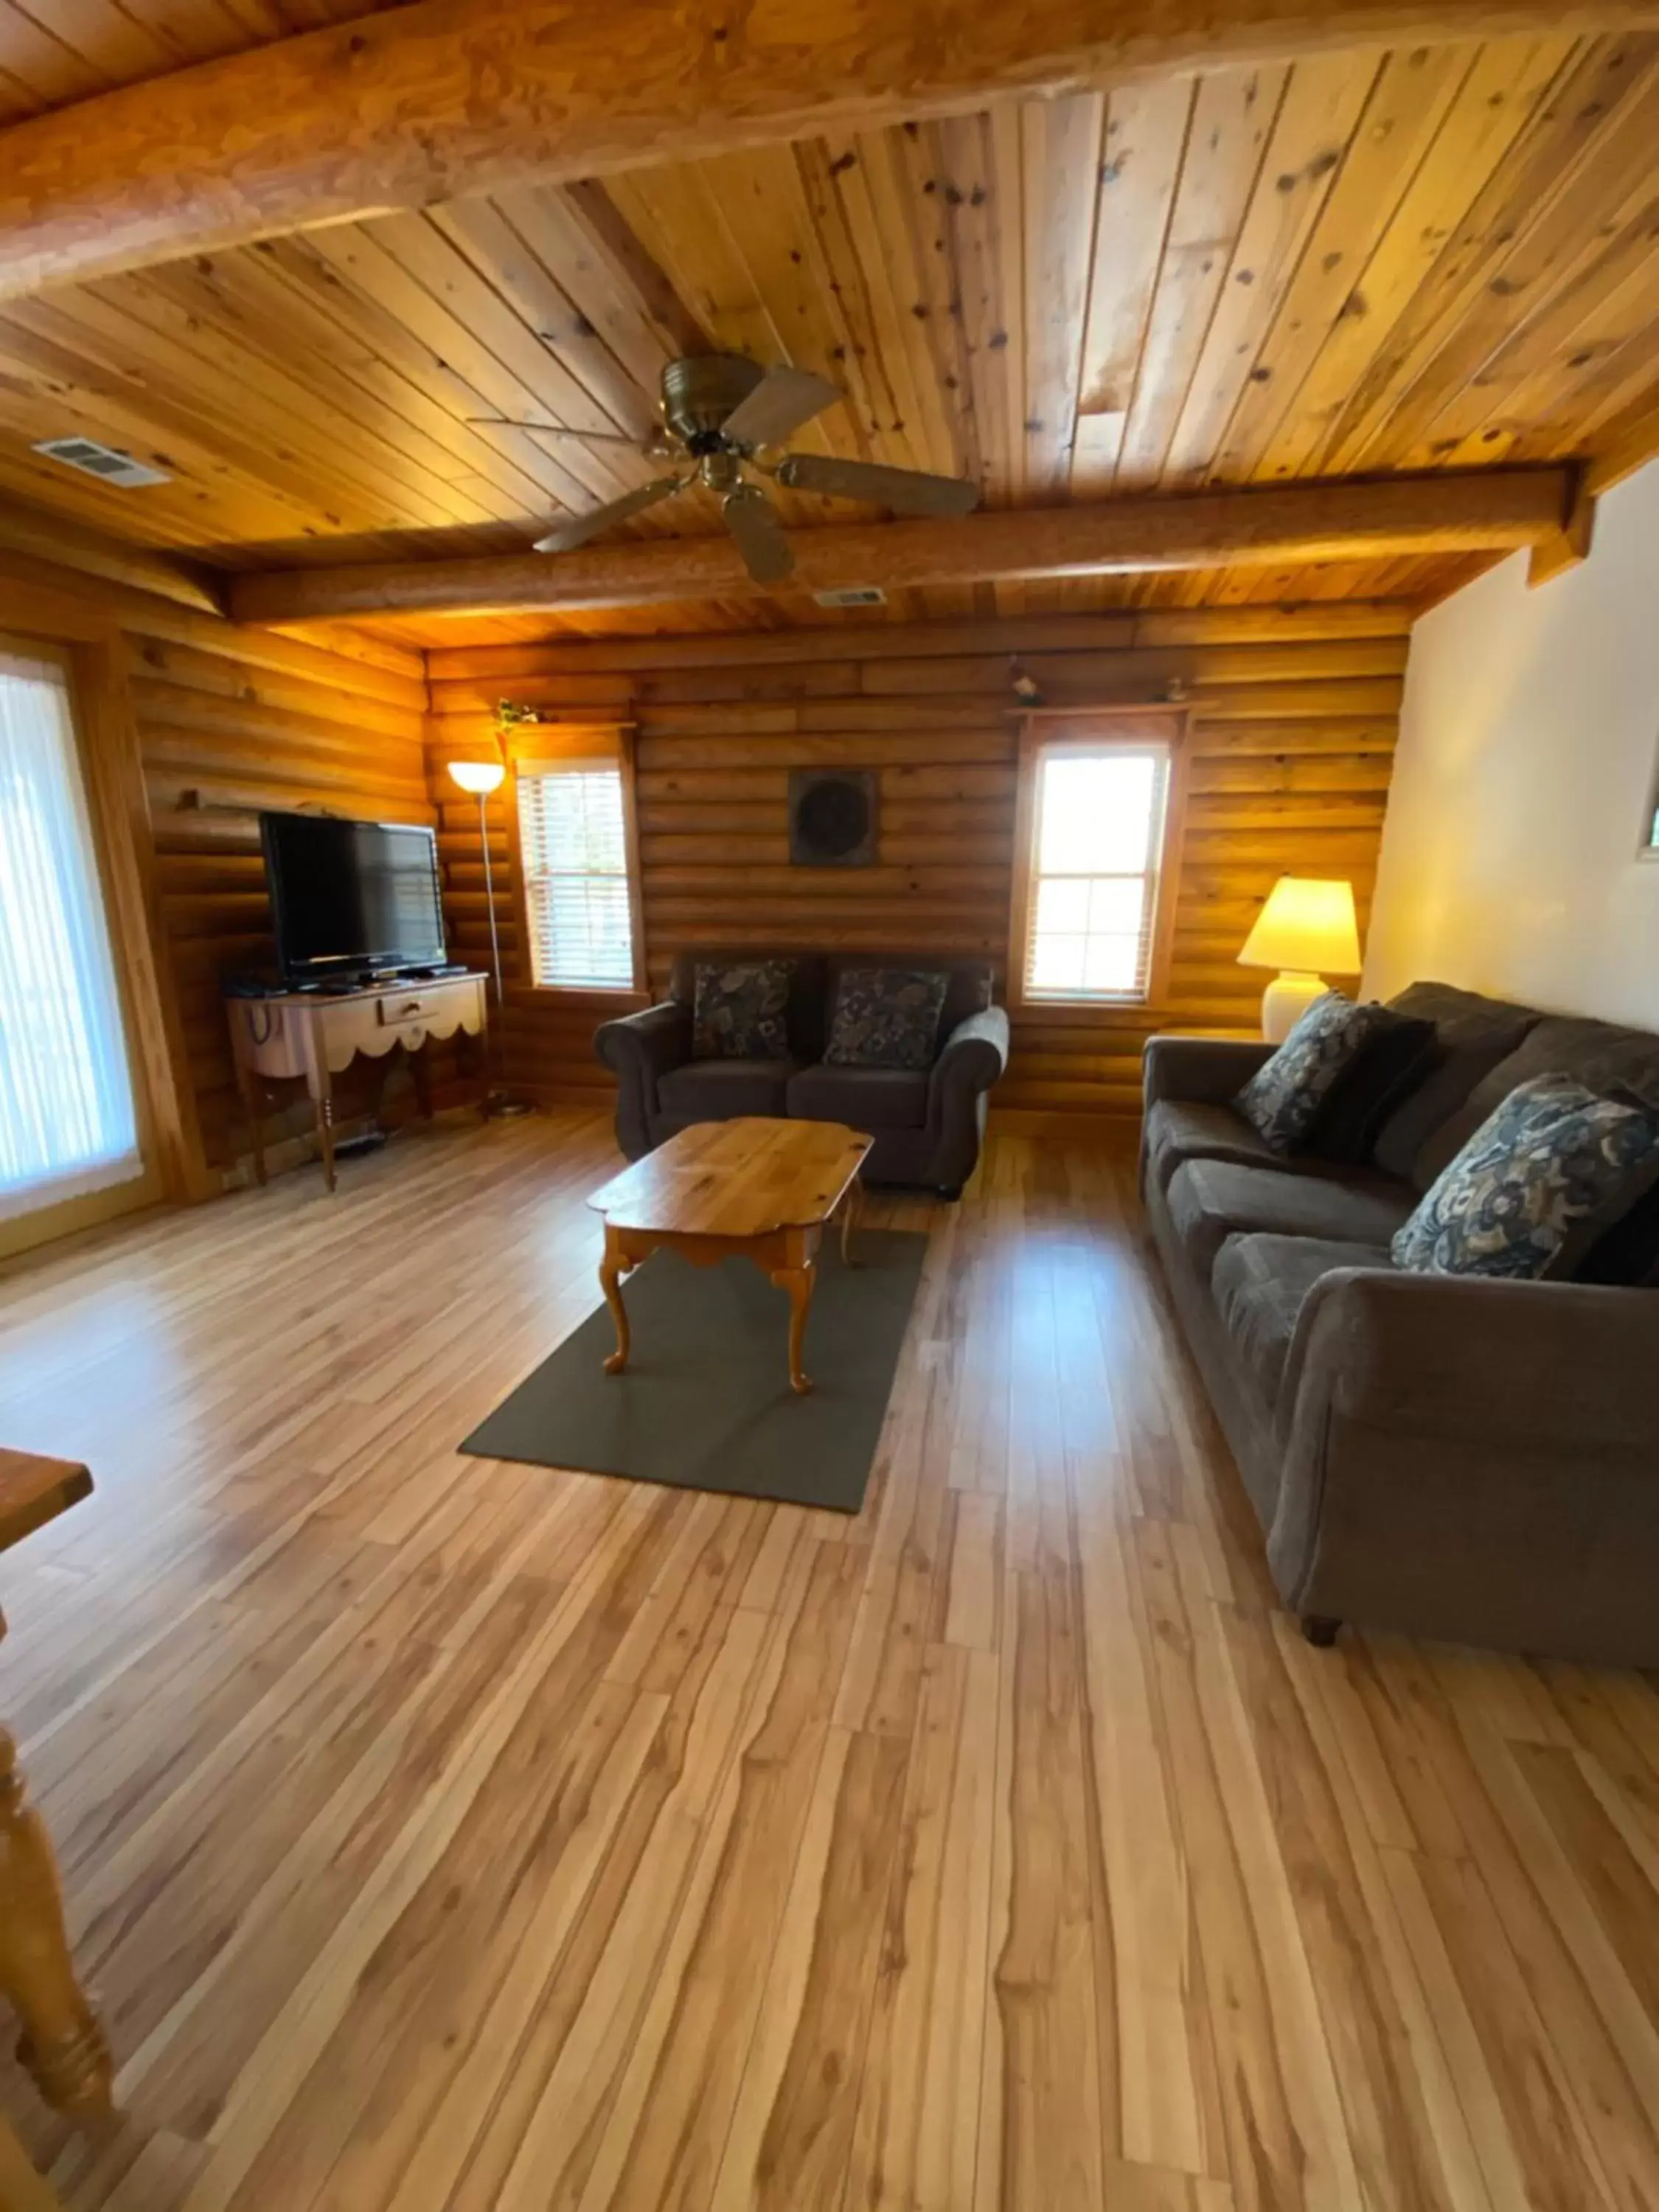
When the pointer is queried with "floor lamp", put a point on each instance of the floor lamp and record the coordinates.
(481, 778)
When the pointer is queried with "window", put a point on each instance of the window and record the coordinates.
(1094, 810)
(573, 850)
(67, 1122)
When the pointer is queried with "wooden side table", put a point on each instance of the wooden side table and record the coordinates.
(315, 1035)
(61, 2045)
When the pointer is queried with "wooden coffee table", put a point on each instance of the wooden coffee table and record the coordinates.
(762, 1188)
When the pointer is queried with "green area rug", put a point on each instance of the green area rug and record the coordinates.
(706, 1402)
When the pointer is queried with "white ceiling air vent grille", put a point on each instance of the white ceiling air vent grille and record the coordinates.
(109, 466)
(855, 595)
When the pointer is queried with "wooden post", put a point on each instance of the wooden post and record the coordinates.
(62, 2044)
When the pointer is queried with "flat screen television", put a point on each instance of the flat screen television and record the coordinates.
(351, 899)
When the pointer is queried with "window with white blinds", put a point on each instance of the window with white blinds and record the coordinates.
(573, 846)
(68, 1124)
(1097, 816)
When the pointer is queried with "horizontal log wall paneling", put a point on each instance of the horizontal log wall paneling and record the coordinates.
(226, 721)
(221, 735)
(1293, 724)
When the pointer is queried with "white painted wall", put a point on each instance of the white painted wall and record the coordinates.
(1528, 751)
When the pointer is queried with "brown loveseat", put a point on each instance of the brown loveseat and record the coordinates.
(1450, 1457)
(927, 1125)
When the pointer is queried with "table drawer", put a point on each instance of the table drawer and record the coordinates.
(415, 1006)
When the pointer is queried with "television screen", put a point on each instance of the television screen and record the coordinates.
(351, 896)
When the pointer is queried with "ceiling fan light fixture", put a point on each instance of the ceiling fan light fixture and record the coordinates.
(722, 413)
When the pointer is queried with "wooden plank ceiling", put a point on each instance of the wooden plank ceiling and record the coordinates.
(1371, 261)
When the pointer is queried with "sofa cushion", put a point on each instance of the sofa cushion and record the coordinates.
(1210, 1201)
(868, 1098)
(717, 1090)
(1601, 1056)
(738, 1010)
(1361, 1101)
(1283, 1100)
(1627, 1255)
(1259, 1284)
(1536, 1186)
(968, 985)
(803, 1016)
(886, 1017)
(1471, 1036)
(1177, 1129)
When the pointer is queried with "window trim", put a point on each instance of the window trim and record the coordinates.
(81, 651)
(1083, 729)
(552, 741)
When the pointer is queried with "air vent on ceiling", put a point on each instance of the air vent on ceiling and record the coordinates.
(104, 462)
(855, 595)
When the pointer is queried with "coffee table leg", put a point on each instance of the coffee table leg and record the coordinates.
(850, 1206)
(798, 1282)
(612, 1268)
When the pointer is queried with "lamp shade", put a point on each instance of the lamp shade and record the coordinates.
(479, 776)
(1307, 925)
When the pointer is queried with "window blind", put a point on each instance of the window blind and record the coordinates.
(1096, 842)
(573, 850)
(67, 1120)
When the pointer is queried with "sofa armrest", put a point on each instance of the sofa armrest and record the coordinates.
(1200, 1071)
(1494, 1363)
(1474, 1459)
(975, 1054)
(647, 1043)
(639, 1050)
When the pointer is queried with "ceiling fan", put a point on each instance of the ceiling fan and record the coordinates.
(722, 415)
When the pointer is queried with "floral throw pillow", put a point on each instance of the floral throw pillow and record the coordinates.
(1536, 1186)
(738, 1010)
(886, 1017)
(1283, 1100)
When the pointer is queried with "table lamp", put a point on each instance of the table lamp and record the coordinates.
(481, 778)
(1306, 925)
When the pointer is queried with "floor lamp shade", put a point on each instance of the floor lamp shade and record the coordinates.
(1308, 926)
(479, 776)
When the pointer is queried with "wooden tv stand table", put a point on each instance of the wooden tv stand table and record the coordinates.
(316, 1035)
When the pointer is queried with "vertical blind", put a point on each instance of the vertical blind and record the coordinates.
(574, 855)
(1098, 838)
(67, 1122)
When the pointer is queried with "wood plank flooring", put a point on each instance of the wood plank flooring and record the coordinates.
(462, 1837)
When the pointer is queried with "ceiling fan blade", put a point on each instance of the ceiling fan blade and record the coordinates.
(548, 430)
(782, 400)
(580, 527)
(753, 521)
(908, 491)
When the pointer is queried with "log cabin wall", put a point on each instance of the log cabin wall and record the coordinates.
(230, 722)
(224, 721)
(1293, 718)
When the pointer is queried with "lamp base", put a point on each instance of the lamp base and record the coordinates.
(1285, 1001)
(503, 1106)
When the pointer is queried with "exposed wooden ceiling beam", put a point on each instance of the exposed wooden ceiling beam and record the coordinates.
(1494, 510)
(446, 97)
(36, 535)
(1312, 621)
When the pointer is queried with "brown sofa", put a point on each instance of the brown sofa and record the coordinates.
(1454, 1457)
(927, 1125)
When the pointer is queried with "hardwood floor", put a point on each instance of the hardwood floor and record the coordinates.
(462, 1837)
